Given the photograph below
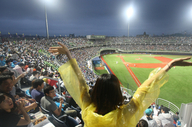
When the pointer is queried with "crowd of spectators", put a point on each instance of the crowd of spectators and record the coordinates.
(35, 51)
(160, 116)
(167, 39)
(30, 59)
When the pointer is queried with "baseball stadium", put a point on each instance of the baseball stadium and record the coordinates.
(96, 63)
(129, 60)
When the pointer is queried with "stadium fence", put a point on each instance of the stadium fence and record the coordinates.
(167, 104)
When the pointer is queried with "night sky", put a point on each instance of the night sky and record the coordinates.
(98, 17)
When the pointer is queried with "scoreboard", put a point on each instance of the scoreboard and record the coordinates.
(95, 37)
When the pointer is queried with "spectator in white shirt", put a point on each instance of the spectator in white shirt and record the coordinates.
(19, 68)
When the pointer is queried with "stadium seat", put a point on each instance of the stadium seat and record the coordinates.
(27, 93)
(43, 110)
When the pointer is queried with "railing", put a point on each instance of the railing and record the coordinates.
(167, 104)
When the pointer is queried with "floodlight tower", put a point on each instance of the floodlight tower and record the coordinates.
(46, 22)
(129, 14)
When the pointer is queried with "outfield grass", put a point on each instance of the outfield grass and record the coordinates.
(177, 89)
(144, 59)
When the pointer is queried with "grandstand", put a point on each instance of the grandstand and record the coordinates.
(84, 50)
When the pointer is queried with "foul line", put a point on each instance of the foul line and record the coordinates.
(131, 73)
(134, 77)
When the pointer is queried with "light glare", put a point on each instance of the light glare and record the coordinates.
(130, 12)
(191, 11)
(49, 3)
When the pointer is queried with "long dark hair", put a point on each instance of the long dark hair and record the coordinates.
(106, 94)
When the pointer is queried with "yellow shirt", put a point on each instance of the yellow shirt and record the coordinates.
(125, 116)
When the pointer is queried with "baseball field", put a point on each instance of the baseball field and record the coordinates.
(133, 69)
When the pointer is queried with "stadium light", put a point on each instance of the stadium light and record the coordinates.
(47, 2)
(129, 14)
(191, 11)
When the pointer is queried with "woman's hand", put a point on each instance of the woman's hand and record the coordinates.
(178, 62)
(60, 50)
(181, 62)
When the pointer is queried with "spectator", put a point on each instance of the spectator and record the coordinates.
(38, 85)
(15, 56)
(8, 62)
(31, 88)
(142, 123)
(156, 110)
(52, 82)
(158, 121)
(35, 75)
(15, 62)
(175, 117)
(45, 73)
(3, 69)
(29, 70)
(27, 65)
(148, 117)
(8, 117)
(48, 103)
(165, 117)
(2, 61)
(15, 80)
(160, 107)
(6, 84)
(105, 107)
(19, 68)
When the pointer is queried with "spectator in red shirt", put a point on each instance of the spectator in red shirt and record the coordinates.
(52, 82)
(27, 65)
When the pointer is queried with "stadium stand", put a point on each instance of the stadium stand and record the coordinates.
(35, 53)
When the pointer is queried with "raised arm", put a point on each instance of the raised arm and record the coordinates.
(60, 50)
(17, 78)
(72, 77)
(175, 62)
(25, 120)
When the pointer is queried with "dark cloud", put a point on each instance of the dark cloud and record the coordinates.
(104, 17)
